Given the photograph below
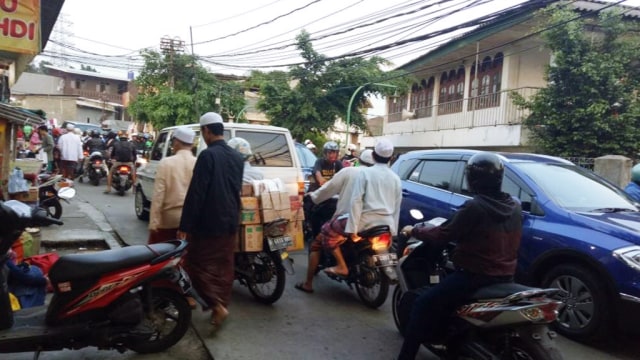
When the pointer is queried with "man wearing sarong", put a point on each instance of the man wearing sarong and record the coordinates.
(210, 217)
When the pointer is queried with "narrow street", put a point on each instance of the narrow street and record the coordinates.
(329, 324)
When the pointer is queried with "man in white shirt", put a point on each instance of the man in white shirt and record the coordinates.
(70, 147)
(170, 187)
(340, 184)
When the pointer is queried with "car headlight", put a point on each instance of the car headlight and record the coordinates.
(629, 255)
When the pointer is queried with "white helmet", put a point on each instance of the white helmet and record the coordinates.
(310, 146)
(241, 145)
(307, 142)
(352, 147)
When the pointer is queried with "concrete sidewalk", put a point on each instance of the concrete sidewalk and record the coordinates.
(86, 228)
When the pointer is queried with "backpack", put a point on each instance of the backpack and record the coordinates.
(124, 151)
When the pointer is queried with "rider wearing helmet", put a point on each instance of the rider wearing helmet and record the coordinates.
(92, 145)
(244, 148)
(122, 152)
(487, 231)
(327, 166)
(633, 188)
(351, 154)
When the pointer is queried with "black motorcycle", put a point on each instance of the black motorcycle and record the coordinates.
(263, 272)
(50, 194)
(122, 179)
(96, 168)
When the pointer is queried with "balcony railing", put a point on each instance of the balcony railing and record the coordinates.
(496, 109)
(102, 96)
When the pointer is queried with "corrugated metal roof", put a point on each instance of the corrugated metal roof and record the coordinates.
(87, 73)
(595, 5)
(19, 115)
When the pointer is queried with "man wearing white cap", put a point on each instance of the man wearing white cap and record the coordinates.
(70, 147)
(340, 184)
(170, 187)
(210, 217)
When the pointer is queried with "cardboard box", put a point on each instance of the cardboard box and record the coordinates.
(274, 206)
(247, 190)
(249, 203)
(297, 208)
(295, 229)
(30, 196)
(248, 217)
(251, 238)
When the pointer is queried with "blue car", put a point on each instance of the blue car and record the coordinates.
(580, 233)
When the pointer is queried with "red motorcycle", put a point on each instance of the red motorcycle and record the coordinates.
(129, 298)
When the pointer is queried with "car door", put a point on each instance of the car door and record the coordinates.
(426, 187)
(147, 174)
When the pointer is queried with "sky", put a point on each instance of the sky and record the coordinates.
(235, 36)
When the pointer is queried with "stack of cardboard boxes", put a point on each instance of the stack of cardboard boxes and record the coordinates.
(267, 207)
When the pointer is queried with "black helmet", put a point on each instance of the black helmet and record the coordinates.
(94, 133)
(330, 146)
(111, 134)
(484, 173)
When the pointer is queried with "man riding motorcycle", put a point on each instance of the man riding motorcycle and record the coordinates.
(123, 152)
(487, 231)
(341, 184)
(323, 170)
(90, 146)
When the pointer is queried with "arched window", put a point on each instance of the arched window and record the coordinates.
(485, 88)
(422, 97)
(396, 105)
(451, 91)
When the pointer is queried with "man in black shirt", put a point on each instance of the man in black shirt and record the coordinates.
(210, 217)
(123, 152)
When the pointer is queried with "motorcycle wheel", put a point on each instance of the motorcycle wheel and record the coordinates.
(53, 208)
(395, 309)
(372, 285)
(169, 316)
(95, 179)
(267, 285)
(139, 205)
(528, 348)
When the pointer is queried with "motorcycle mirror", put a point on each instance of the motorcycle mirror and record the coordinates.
(416, 214)
(67, 192)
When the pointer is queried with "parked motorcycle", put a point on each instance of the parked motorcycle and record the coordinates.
(263, 272)
(129, 298)
(96, 169)
(122, 179)
(371, 265)
(50, 193)
(501, 321)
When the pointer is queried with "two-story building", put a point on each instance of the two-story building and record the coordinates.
(462, 95)
(67, 94)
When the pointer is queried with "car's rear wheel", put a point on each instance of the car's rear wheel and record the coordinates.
(140, 203)
(585, 312)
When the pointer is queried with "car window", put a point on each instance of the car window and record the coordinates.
(575, 189)
(405, 167)
(157, 152)
(269, 149)
(415, 174)
(306, 156)
(194, 147)
(511, 188)
(437, 173)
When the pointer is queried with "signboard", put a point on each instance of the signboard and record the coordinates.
(20, 26)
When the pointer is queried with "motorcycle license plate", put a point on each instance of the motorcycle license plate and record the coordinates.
(183, 281)
(388, 259)
(280, 242)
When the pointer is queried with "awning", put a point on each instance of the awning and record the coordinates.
(18, 115)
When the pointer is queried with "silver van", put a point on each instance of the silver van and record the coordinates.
(273, 153)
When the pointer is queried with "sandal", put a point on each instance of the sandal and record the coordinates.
(300, 286)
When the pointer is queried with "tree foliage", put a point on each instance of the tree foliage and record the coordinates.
(310, 97)
(174, 89)
(88, 68)
(590, 107)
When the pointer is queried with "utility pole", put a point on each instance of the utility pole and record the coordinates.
(195, 75)
(171, 46)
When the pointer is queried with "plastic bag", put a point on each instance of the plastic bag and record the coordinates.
(17, 182)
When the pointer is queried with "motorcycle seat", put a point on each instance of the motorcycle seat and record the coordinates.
(376, 230)
(497, 291)
(85, 266)
(44, 177)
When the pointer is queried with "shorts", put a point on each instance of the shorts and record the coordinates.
(331, 235)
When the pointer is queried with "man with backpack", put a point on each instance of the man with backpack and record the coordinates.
(123, 152)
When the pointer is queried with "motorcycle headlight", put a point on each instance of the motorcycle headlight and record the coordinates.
(629, 255)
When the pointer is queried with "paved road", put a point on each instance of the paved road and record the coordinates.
(329, 324)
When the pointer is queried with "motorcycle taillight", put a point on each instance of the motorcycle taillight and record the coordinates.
(546, 313)
(123, 169)
(381, 242)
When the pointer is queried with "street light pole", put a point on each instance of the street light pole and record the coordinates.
(348, 120)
